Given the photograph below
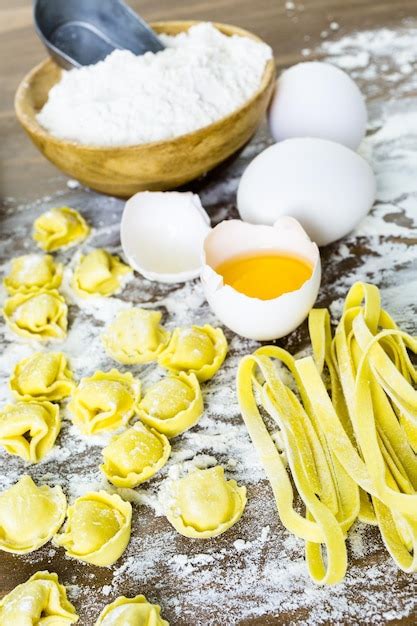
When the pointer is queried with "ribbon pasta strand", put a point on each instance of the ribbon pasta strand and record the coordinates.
(349, 431)
(330, 496)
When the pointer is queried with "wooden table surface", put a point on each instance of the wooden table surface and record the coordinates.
(27, 176)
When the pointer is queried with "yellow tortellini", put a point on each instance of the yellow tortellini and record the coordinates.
(97, 530)
(58, 228)
(40, 315)
(30, 515)
(42, 376)
(33, 271)
(200, 350)
(136, 336)
(40, 601)
(104, 401)
(29, 429)
(99, 273)
(204, 504)
(135, 455)
(173, 404)
(131, 612)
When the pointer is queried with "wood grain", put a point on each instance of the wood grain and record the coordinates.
(26, 175)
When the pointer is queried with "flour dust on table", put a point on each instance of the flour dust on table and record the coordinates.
(257, 568)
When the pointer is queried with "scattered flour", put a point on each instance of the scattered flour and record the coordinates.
(201, 76)
(382, 60)
(256, 568)
(73, 184)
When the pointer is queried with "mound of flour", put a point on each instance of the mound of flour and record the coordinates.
(201, 76)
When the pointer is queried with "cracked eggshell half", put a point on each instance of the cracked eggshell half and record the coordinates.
(250, 317)
(327, 187)
(162, 235)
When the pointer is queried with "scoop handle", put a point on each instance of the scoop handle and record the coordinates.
(76, 32)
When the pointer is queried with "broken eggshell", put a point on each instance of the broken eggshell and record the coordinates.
(162, 235)
(249, 317)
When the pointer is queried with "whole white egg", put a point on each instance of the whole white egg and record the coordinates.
(327, 187)
(317, 99)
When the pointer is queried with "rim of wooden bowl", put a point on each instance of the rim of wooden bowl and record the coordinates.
(29, 123)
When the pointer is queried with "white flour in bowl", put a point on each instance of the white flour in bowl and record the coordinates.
(201, 76)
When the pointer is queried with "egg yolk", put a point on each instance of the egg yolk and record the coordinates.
(265, 274)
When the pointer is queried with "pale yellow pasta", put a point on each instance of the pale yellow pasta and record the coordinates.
(30, 515)
(135, 455)
(135, 336)
(59, 228)
(40, 315)
(371, 369)
(131, 612)
(29, 429)
(204, 504)
(40, 601)
(97, 529)
(33, 271)
(173, 404)
(42, 376)
(199, 350)
(330, 496)
(99, 273)
(349, 446)
(104, 401)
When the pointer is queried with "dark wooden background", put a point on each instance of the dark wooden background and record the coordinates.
(24, 172)
(25, 175)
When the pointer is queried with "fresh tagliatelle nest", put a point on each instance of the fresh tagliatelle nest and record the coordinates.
(349, 432)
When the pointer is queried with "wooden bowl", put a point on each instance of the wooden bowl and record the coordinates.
(160, 165)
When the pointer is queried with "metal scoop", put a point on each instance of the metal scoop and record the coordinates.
(83, 32)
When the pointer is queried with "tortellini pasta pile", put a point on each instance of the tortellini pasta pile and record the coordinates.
(35, 309)
(33, 271)
(131, 612)
(99, 273)
(135, 455)
(30, 515)
(59, 228)
(42, 376)
(204, 504)
(173, 404)
(29, 429)
(135, 336)
(198, 350)
(97, 529)
(39, 314)
(104, 401)
(40, 601)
